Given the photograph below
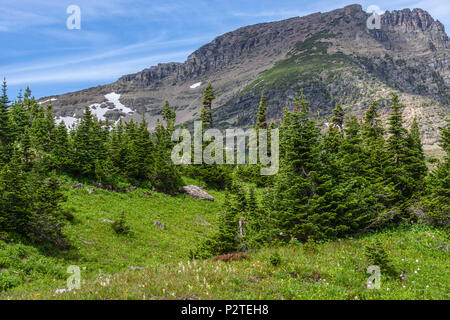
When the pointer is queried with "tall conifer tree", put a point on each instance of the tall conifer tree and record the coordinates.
(207, 114)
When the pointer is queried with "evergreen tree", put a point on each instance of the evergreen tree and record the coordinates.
(84, 153)
(261, 116)
(405, 168)
(15, 204)
(373, 137)
(18, 118)
(227, 239)
(338, 117)
(43, 128)
(165, 176)
(396, 146)
(437, 201)
(415, 161)
(140, 152)
(5, 127)
(116, 149)
(169, 117)
(352, 153)
(354, 196)
(297, 181)
(332, 141)
(26, 151)
(206, 114)
(45, 223)
(62, 151)
(371, 129)
(257, 226)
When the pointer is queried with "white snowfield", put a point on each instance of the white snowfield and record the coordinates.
(114, 98)
(49, 100)
(196, 85)
(68, 121)
(99, 110)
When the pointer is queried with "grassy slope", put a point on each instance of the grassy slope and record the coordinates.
(333, 270)
(99, 249)
(306, 61)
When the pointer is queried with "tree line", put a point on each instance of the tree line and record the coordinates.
(36, 150)
(355, 176)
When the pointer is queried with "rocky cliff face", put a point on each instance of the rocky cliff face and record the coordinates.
(332, 56)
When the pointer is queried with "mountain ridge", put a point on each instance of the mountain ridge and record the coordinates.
(331, 55)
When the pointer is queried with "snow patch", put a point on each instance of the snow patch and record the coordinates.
(97, 109)
(68, 121)
(49, 100)
(100, 109)
(196, 85)
(114, 99)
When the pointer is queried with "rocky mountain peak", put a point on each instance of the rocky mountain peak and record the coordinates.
(408, 20)
(331, 55)
(416, 19)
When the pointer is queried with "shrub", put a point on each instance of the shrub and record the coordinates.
(120, 226)
(377, 255)
(311, 246)
(232, 257)
(275, 259)
(69, 213)
(215, 176)
(9, 280)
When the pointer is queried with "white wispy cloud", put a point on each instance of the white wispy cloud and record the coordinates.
(271, 14)
(142, 48)
(14, 20)
(98, 72)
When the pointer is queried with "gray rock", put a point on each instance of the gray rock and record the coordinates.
(148, 195)
(197, 193)
(91, 191)
(77, 186)
(107, 220)
(159, 225)
(129, 189)
(135, 268)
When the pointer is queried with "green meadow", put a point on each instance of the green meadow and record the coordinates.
(154, 263)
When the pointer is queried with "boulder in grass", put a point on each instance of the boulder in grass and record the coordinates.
(149, 195)
(98, 185)
(159, 225)
(129, 189)
(91, 191)
(107, 220)
(197, 193)
(77, 186)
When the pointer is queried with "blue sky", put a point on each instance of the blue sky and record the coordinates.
(118, 37)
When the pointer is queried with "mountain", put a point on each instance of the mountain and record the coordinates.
(332, 56)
